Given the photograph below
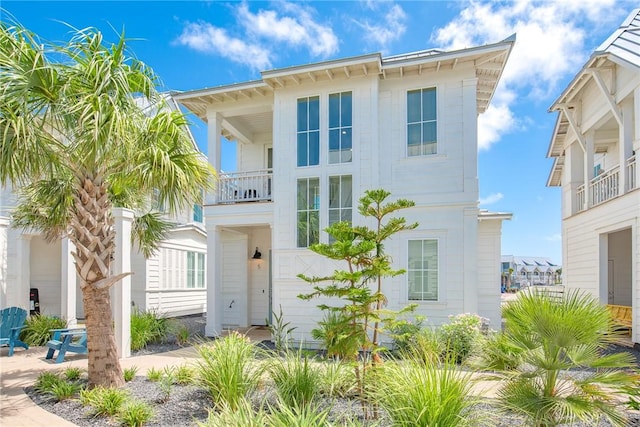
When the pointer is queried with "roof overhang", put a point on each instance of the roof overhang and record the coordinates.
(484, 215)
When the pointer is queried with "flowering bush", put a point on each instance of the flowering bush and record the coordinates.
(461, 336)
(403, 332)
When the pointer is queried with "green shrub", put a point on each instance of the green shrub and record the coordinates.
(104, 401)
(228, 370)
(154, 375)
(299, 416)
(336, 334)
(337, 379)
(65, 390)
(425, 346)
(130, 373)
(417, 394)
(135, 414)
(182, 334)
(73, 373)
(280, 331)
(460, 336)
(147, 327)
(297, 381)
(498, 353)
(37, 329)
(46, 381)
(243, 415)
(403, 332)
(183, 374)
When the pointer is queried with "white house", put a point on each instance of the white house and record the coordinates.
(594, 146)
(171, 282)
(519, 271)
(310, 140)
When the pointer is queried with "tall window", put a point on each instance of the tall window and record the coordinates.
(308, 210)
(309, 131)
(421, 122)
(340, 200)
(340, 127)
(195, 270)
(197, 213)
(422, 270)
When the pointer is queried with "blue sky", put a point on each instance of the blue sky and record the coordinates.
(194, 44)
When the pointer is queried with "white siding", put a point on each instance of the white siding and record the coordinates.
(46, 274)
(489, 271)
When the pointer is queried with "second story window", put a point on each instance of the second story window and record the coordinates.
(197, 213)
(340, 122)
(309, 131)
(308, 211)
(422, 138)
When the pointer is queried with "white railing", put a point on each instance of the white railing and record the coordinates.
(580, 198)
(604, 186)
(631, 173)
(249, 186)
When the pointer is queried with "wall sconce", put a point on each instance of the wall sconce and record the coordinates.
(257, 254)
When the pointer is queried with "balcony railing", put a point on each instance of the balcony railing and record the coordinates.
(604, 186)
(631, 173)
(240, 187)
(580, 198)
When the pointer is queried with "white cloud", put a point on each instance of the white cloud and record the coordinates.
(292, 24)
(491, 199)
(550, 46)
(391, 27)
(207, 38)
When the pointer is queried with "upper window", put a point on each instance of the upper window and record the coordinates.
(340, 121)
(197, 213)
(422, 135)
(308, 209)
(309, 131)
(422, 270)
(340, 199)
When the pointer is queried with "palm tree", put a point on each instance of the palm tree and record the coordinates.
(549, 338)
(75, 143)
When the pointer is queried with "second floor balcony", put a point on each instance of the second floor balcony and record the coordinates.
(242, 187)
(606, 186)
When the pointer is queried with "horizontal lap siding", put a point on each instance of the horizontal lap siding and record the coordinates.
(178, 303)
(489, 271)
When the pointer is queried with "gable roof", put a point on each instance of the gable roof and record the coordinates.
(622, 47)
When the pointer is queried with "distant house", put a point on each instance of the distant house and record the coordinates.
(310, 140)
(171, 282)
(519, 271)
(594, 145)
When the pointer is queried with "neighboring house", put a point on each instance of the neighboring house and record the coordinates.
(594, 146)
(310, 140)
(171, 282)
(519, 271)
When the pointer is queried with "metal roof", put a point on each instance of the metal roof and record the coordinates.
(621, 47)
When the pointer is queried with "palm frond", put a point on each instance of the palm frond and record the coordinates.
(148, 231)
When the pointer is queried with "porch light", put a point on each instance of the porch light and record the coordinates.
(257, 254)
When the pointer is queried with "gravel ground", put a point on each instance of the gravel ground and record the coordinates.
(188, 405)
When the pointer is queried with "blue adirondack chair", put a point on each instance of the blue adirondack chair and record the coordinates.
(63, 340)
(11, 323)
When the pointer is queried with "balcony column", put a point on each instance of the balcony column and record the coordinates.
(636, 137)
(121, 292)
(626, 145)
(68, 282)
(215, 307)
(4, 238)
(588, 167)
(214, 148)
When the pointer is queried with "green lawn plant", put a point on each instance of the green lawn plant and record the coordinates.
(183, 374)
(297, 379)
(227, 368)
(154, 374)
(554, 336)
(46, 380)
(357, 289)
(417, 394)
(242, 415)
(64, 390)
(147, 327)
(37, 330)
(73, 373)
(130, 373)
(104, 401)
(280, 331)
(298, 416)
(135, 414)
(461, 336)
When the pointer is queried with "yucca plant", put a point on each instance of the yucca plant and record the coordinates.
(37, 330)
(228, 370)
(297, 380)
(553, 336)
(417, 394)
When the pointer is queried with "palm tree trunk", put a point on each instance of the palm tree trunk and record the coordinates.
(93, 234)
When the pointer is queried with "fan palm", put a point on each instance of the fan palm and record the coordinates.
(552, 338)
(75, 143)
